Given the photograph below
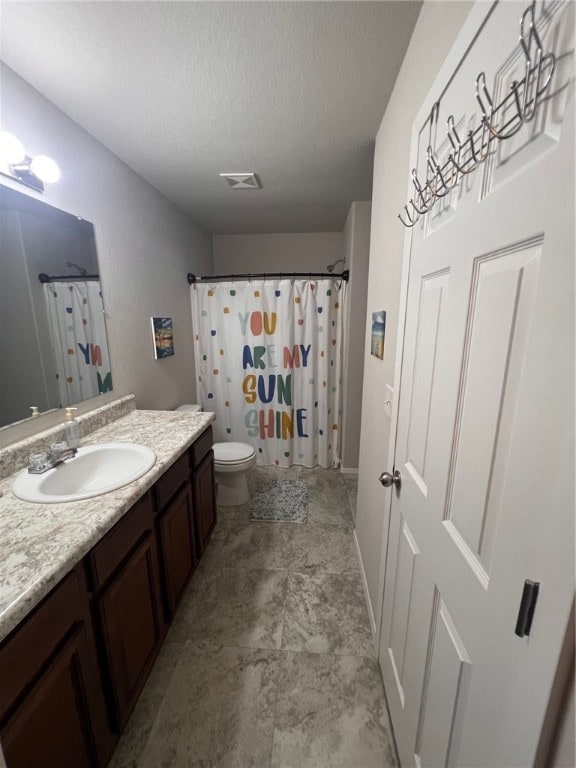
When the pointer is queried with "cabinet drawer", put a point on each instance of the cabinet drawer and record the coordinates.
(119, 542)
(201, 447)
(28, 649)
(172, 480)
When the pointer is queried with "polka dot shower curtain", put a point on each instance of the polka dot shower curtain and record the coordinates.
(268, 363)
(78, 335)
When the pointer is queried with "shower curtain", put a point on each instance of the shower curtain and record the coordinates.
(78, 334)
(268, 363)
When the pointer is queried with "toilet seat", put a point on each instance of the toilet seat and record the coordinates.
(233, 454)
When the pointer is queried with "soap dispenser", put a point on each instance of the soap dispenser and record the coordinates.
(72, 429)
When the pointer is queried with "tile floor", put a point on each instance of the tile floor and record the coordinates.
(270, 661)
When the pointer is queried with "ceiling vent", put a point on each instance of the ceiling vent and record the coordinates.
(242, 180)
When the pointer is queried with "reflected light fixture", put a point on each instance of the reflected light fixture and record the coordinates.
(16, 164)
(11, 149)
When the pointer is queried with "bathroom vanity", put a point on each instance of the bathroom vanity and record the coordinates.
(90, 589)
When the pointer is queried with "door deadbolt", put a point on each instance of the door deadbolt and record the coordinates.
(387, 479)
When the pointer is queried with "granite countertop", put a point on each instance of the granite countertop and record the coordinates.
(41, 543)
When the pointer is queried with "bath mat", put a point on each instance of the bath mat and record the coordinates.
(282, 500)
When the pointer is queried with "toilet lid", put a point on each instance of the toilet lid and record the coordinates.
(232, 452)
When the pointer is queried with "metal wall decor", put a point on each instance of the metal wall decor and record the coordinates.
(523, 99)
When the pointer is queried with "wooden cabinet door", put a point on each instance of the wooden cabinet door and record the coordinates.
(52, 727)
(177, 546)
(52, 708)
(132, 627)
(204, 501)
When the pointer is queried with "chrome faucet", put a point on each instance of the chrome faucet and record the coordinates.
(42, 462)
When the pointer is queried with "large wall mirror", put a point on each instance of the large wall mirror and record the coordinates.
(53, 346)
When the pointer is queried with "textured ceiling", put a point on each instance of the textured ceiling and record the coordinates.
(182, 91)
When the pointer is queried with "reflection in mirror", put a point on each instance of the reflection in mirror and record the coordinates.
(53, 347)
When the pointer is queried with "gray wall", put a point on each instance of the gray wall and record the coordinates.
(297, 252)
(145, 245)
(435, 31)
(356, 252)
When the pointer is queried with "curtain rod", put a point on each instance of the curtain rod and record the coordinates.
(344, 275)
(44, 278)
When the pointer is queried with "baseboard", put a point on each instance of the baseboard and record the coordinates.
(349, 470)
(367, 595)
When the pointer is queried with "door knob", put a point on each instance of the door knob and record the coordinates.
(387, 479)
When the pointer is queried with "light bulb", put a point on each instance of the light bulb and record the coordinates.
(44, 168)
(11, 149)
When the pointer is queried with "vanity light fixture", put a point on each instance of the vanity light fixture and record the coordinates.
(16, 164)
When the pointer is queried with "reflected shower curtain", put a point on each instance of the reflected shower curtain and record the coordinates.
(268, 363)
(78, 333)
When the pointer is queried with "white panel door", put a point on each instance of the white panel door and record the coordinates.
(485, 431)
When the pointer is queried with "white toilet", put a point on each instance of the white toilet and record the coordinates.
(231, 464)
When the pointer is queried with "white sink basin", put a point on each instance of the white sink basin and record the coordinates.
(95, 469)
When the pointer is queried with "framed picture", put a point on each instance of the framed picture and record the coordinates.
(163, 337)
(378, 334)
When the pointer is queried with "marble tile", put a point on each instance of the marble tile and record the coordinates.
(326, 613)
(237, 542)
(318, 545)
(240, 511)
(131, 745)
(331, 712)
(180, 627)
(330, 508)
(326, 482)
(316, 548)
(218, 711)
(226, 606)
